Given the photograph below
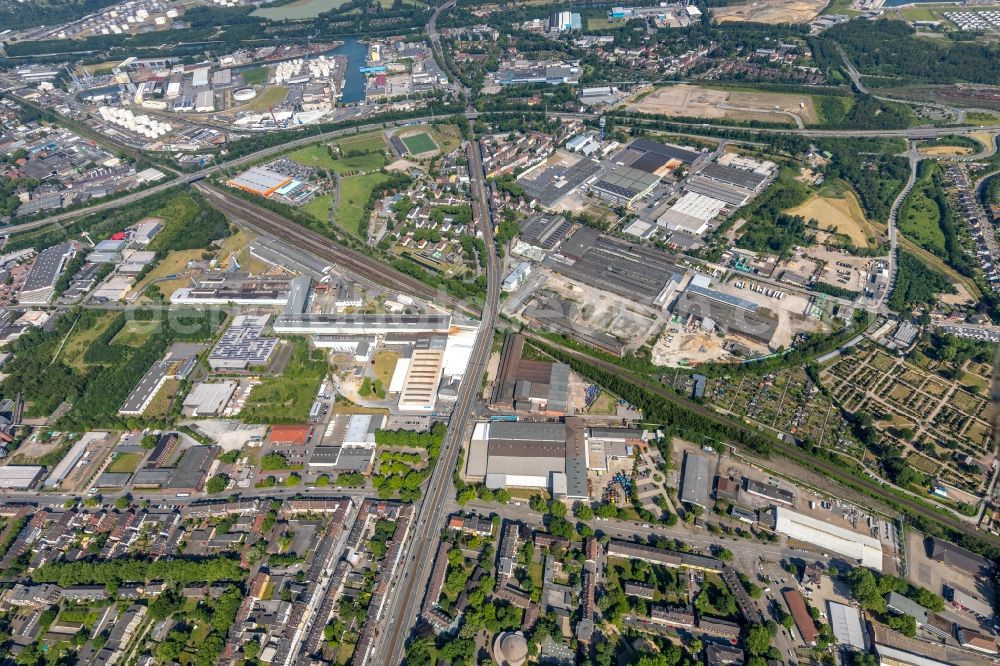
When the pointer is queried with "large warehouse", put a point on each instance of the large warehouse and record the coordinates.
(260, 181)
(840, 540)
(520, 454)
(730, 313)
(19, 477)
(623, 186)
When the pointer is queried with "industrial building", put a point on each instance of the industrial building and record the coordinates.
(209, 399)
(691, 214)
(549, 184)
(20, 477)
(544, 230)
(848, 543)
(845, 621)
(730, 314)
(423, 375)
(656, 158)
(959, 558)
(360, 324)
(646, 275)
(733, 196)
(242, 345)
(748, 180)
(696, 480)
(45, 271)
(803, 620)
(531, 386)
(178, 362)
(77, 452)
(925, 619)
(508, 454)
(623, 185)
(629, 550)
(234, 287)
(260, 181)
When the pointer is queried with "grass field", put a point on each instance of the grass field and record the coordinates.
(354, 193)
(163, 400)
(125, 463)
(919, 217)
(255, 76)
(270, 97)
(601, 23)
(419, 143)
(81, 339)
(383, 364)
(289, 396)
(318, 157)
(298, 10)
(173, 264)
(369, 141)
(135, 333)
(319, 207)
(839, 207)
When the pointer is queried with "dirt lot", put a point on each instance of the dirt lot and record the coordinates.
(771, 11)
(790, 310)
(945, 151)
(603, 312)
(700, 102)
(843, 213)
(856, 266)
(679, 347)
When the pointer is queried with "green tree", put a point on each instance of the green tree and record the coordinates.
(217, 484)
(758, 640)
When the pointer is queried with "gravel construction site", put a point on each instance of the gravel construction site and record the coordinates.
(790, 310)
(841, 269)
(699, 102)
(771, 11)
(600, 311)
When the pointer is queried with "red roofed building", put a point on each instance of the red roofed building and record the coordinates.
(803, 620)
(296, 435)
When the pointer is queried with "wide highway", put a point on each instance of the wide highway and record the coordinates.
(405, 599)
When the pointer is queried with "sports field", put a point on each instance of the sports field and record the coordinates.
(419, 143)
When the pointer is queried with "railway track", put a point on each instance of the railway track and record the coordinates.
(360, 265)
(833, 472)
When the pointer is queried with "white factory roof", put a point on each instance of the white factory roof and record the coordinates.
(458, 351)
(840, 540)
(902, 657)
(18, 476)
(846, 624)
(699, 206)
(399, 375)
(72, 457)
(200, 77)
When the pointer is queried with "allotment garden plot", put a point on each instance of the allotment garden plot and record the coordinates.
(939, 423)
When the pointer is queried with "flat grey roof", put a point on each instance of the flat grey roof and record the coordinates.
(628, 270)
(670, 151)
(732, 195)
(733, 176)
(554, 183)
(527, 431)
(47, 267)
(696, 484)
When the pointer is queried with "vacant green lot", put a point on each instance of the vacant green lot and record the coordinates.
(319, 207)
(125, 463)
(135, 333)
(255, 76)
(920, 219)
(363, 142)
(319, 157)
(419, 143)
(354, 193)
(288, 397)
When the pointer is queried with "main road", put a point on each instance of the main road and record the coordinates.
(405, 598)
